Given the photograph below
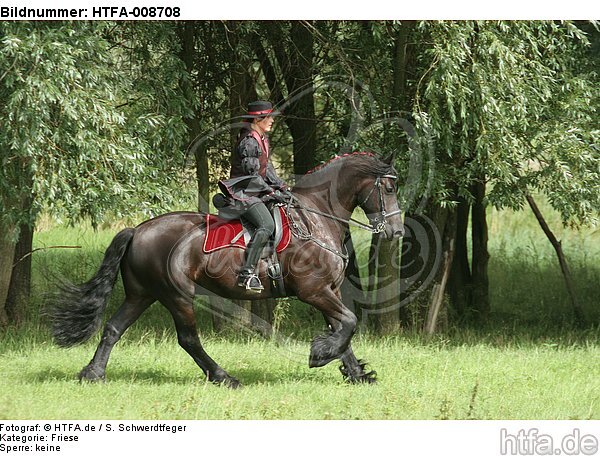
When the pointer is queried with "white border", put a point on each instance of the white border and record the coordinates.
(347, 9)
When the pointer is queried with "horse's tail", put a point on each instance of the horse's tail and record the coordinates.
(76, 311)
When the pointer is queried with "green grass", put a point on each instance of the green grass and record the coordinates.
(526, 282)
(525, 277)
(528, 362)
(150, 377)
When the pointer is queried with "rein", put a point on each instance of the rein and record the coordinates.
(305, 235)
(378, 223)
(349, 222)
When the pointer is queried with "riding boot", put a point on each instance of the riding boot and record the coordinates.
(248, 278)
(260, 217)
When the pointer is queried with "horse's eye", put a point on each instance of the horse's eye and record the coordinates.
(389, 187)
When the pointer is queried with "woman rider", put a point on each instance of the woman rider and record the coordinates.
(252, 183)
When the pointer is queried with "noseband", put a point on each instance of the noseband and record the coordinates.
(379, 222)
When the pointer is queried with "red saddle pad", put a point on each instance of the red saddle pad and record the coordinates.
(220, 234)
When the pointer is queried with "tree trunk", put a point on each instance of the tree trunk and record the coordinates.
(240, 91)
(203, 178)
(296, 63)
(217, 306)
(353, 295)
(387, 296)
(422, 249)
(372, 265)
(268, 70)
(410, 267)
(439, 286)
(7, 255)
(392, 253)
(384, 284)
(262, 316)
(577, 310)
(187, 33)
(20, 284)
(459, 282)
(401, 64)
(241, 85)
(242, 313)
(480, 289)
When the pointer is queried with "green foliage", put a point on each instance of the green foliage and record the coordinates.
(93, 113)
(81, 128)
(511, 103)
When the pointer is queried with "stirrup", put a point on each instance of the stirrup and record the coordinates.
(250, 281)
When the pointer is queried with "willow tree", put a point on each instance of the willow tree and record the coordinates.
(509, 111)
(78, 136)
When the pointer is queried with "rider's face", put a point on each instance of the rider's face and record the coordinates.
(265, 124)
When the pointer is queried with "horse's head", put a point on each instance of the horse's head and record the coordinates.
(377, 197)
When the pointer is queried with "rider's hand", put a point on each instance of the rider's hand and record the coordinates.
(275, 196)
(279, 196)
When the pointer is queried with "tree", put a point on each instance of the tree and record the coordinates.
(77, 138)
(387, 257)
(292, 45)
(508, 113)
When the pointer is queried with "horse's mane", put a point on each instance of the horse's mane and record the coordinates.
(372, 166)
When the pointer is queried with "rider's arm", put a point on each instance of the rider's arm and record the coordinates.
(273, 179)
(249, 152)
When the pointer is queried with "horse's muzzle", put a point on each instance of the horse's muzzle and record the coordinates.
(394, 232)
(398, 233)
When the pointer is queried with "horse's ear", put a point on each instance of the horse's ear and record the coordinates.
(391, 159)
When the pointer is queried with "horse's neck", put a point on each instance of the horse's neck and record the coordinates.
(333, 192)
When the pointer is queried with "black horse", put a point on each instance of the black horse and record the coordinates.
(162, 259)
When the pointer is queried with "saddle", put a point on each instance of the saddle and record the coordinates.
(222, 234)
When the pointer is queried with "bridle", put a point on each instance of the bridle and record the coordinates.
(379, 222)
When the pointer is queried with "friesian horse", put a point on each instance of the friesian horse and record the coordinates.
(162, 260)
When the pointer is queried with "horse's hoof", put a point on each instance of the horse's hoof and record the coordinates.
(232, 382)
(360, 376)
(315, 361)
(227, 380)
(88, 374)
(369, 378)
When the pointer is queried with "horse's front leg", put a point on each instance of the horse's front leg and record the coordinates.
(342, 322)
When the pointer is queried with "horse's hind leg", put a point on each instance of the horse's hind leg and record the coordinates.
(126, 315)
(354, 369)
(182, 310)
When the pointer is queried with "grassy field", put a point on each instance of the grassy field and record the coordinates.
(527, 363)
(150, 377)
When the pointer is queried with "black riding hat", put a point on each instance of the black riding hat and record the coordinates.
(258, 109)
